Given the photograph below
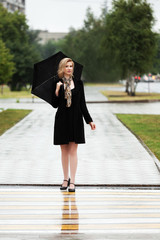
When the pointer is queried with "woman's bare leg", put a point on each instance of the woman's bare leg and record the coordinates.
(65, 162)
(73, 161)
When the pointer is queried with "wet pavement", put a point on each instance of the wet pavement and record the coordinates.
(147, 87)
(112, 155)
(47, 213)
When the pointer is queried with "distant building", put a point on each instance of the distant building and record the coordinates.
(44, 36)
(13, 5)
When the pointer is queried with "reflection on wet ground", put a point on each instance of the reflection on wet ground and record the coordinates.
(44, 210)
(70, 217)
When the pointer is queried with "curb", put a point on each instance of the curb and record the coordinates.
(88, 102)
(102, 186)
(134, 101)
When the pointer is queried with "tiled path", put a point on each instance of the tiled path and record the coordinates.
(87, 211)
(111, 155)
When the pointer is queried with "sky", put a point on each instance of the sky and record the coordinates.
(60, 15)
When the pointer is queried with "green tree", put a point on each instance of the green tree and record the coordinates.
(48, 49)
(84, 46)
(6, 65)
(21, 41)
(156, 63)
(13, 26)
(24, 58)
(130, 38)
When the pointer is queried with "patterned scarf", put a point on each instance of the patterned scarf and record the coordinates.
(68, 93)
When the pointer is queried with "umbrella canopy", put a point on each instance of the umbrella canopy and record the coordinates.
(45, 76)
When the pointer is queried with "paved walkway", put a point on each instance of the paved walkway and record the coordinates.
(111, 155)
(47, 213)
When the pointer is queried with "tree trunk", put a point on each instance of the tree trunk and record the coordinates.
(132, 86)
(127, 86)
(2, 89)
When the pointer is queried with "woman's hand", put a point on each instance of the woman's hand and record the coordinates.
(58, 85)
(93, 125)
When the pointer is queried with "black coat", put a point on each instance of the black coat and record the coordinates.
(61, 131)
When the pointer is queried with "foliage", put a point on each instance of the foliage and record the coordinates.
(116, 45)
(17, 37)
(130, 38)
(6, 64)
(48, 49)
(85, 48)
(25, 56)
(156, 61)
(130, 35)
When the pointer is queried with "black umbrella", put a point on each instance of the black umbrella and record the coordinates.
(45, 76)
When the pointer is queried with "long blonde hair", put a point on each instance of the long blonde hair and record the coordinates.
(61, 66)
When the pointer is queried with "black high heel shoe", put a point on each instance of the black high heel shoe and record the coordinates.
(64, 188)
(71, 189)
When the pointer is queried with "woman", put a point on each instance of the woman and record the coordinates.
(68, 126)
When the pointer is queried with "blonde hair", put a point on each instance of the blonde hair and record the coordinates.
(61, 66)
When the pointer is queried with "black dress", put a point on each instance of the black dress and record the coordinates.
(70, 118)
(68, 124)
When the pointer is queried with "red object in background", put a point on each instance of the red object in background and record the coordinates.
(139, 78)
(135, 77)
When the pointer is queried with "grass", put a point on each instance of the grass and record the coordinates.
(104, 84)
(123, 96)
(27, 93)
(9, 117)
(15, 94)
(146, 127)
